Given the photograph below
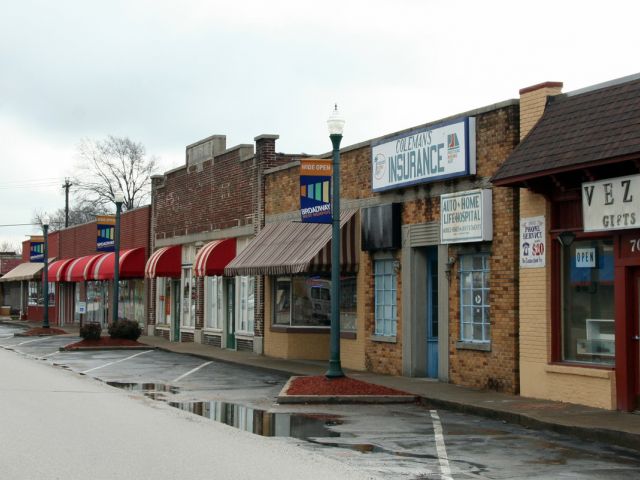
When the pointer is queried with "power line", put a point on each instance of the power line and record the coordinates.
(18, 224)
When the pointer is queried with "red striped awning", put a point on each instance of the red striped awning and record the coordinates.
(165, 262)
(58, 268)
(78, 270)
(214, 256)
(131, 265)
(292, 247)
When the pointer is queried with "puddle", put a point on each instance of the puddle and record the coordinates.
(259, 422)
(155, 391)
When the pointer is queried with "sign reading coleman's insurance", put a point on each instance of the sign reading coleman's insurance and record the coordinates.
(425, 155)
(466, 217)
(612, 204)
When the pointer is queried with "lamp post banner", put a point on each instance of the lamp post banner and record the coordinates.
(36, 250)
(315, 190)
(105, 239)
(425, 155)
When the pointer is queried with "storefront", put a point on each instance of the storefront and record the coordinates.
(131, 299)
(164, 270)
(27, 278)
(295, 260)
(215, 218)
(579, 250)
(435, 291)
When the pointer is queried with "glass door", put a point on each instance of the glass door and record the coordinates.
(230, 316)
(432, 312)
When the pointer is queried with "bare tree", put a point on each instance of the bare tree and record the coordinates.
(107, 166)
(10, 247)
(79, 214)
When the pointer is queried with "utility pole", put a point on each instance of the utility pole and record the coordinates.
(66, 186)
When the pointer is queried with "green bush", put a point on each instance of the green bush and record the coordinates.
(127, 329)
(91, 331)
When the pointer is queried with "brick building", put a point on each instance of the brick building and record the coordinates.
(577, 170)
(422, 294)
(79, 272)
(204, 213)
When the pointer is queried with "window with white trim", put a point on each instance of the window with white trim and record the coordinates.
(475, 317)
(214, 316)
(246, 312)
(385, 286)
(305, 301)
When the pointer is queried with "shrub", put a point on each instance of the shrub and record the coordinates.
(127, 329)
(91, 331)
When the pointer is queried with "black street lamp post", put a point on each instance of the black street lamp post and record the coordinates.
(336, 127)
(119, 199)
(45, 287)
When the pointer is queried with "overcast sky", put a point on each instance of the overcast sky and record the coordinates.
(168, 73)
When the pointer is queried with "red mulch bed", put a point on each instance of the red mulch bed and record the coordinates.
(37, 331)
(321, 385)
(104, 342)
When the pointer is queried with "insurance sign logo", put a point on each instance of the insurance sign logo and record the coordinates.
(425, 155)
(315, 190)
(106, 233)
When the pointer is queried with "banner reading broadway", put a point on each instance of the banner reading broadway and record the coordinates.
(315, 190)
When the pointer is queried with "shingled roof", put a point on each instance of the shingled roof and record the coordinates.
(577, 130)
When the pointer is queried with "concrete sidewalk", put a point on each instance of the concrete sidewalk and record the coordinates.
(617, 428)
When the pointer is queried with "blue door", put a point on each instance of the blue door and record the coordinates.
(432, 312)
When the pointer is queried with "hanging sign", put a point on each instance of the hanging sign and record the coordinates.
(315, 190)
(532, 242)
(612, 204)
(466, 216)
(106, 233)
(425, 155)
(36, 250)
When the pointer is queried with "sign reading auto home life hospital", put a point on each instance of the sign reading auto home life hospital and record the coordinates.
(315, 190)
(425, 155)
(466, 216)
(612, 204)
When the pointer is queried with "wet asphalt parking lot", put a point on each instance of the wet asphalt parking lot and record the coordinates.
(389, 441)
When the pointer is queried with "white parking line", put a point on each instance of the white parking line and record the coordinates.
(190, 372)
(117, 361)
(445, 470)
(31, 341)
(49, 355)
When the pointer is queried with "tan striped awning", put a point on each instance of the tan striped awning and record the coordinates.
(293, 247)
(24, 271)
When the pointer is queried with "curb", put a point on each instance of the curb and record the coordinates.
(283, 398)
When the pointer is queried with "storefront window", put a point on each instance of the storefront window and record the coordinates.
(36, 294)
(97, 302)
(588, 327)
(475, 318)
(305, 301)
(130, 301)
(247, 305)
(215, 303)
(385, 284)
